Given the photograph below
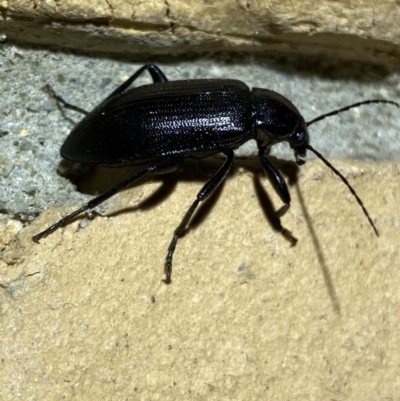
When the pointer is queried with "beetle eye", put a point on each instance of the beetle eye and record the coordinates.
(299, 136)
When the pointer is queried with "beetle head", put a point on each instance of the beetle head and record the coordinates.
(278, 120)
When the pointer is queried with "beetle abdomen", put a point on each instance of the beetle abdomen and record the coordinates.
(181, 118)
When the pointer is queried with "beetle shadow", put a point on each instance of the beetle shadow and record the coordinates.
(167, 187)
(201, 171)
(102, 179)
(290, 171)
(97, 179)
(320, 255)
(292, 63)
(94, 180)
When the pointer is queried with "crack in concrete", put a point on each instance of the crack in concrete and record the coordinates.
(168, 15)
(111, 8)
(3, 12)
(240, 5)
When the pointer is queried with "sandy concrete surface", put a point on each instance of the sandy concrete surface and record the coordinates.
(85, 315)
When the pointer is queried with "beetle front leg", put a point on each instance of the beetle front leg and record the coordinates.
(212, 184)
(276, 180)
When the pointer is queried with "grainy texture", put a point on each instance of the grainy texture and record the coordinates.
(84, 314)
(360, 30)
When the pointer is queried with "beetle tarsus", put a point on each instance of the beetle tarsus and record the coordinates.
(282, 210)
(168, 261)
(60, 223)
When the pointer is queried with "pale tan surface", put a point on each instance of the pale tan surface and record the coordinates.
(359, 29)
(247, 317)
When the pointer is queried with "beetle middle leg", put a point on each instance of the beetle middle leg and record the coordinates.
(212, 184)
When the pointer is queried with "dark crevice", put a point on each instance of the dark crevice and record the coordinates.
(168, 15)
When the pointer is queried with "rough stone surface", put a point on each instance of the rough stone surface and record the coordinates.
(85, 315)
(357, 30)
(33, 128)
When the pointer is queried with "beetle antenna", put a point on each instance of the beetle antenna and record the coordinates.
(346, 182)
(351, 106)
(337, 172)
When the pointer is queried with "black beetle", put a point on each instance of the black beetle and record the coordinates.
(163, 123)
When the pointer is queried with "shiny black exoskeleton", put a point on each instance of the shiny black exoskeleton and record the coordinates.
(163, 123)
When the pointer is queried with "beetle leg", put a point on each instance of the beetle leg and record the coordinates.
(156, 74)
(213, 183)
(50, 91)
(276, 180)
(159, 168)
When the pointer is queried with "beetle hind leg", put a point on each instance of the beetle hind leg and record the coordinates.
(209, 187)
(156, 74)
(159, 168)
(50, 91)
